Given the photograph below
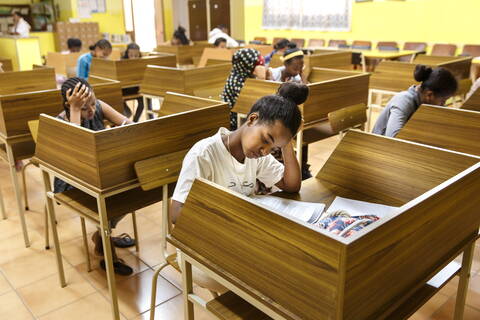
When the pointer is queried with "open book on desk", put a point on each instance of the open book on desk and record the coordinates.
(312, 212)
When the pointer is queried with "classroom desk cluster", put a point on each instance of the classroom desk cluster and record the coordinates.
(274, 267)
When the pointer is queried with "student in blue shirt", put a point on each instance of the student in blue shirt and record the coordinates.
(101, 49)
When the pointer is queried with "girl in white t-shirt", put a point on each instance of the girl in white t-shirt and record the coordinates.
(236, 159)
(292, 69)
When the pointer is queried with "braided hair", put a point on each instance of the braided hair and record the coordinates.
(70, 84)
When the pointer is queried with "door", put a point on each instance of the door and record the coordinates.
(197, 13)
(220, 13)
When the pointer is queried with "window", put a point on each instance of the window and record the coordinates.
(321, 15)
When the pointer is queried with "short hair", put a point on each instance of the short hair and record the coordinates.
(102, 44)
(283, 106)
(131, 46)
(218, 41)
(439, 80)
(74, 43)
(281, 44)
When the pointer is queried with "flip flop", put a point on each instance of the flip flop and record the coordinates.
(119, 267)
(123, 241)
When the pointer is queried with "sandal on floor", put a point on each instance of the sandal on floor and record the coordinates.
(119, 267)
(123, 241)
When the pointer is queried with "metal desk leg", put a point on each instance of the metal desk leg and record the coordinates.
(51, 214)
(462, 289)
(107, 251)
(18, 193)
(187, 283)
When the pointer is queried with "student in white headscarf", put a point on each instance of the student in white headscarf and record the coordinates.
(221, 31)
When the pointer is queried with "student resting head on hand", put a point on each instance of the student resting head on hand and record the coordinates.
(292, 69)
(437, 86)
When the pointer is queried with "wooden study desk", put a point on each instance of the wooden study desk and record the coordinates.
(215, 56)
(337, 89)
(473, 102)
(64, 64)
(106, 182)
(291, 270)
(6, 64)
(184, 54)
(206, 82)
(448, 128)
(332, 60)
(17, 109)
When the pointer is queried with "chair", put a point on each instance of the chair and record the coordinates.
(299, 42)
(471, 50)
(336, 43)
(447, 50)
(363, 45)
(261, 39)
(421, 47)
(316, 43)
(387, 46)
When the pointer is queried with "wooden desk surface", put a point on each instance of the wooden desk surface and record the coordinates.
(375, 53)
(442, 127)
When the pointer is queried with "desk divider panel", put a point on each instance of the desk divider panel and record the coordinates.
(63, 63)
(111, 153)
(393, 76)
(306, 273)
(176, 103)
(473, 102)
(185, 53)
(128, 71)
(27, 81)
(158, 80)
(322, 74)
(448, 128)
(459, 66)
(216, 54)
(331, 95)
(252, 91)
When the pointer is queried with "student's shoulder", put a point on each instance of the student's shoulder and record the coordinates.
(204, 148)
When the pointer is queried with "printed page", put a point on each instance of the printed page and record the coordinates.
(308, 212)
(360, 208)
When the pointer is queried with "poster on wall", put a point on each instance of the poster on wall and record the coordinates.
(87, 7)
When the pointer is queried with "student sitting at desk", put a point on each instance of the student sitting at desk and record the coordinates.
(101, 49)
(246, 63)
(221, 31)
(83, 109)
(132, 52)
(220, 43)
(292, 69)
(437, 86)
(180, 37)
(20, 26)
(74, 45)
(236, 159)
(280, 47)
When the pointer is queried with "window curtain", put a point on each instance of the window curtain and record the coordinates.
(320, 15)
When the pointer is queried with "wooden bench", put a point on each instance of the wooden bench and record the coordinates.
(291, 270)
(64, 64)
(184, 54)
(17, 109)
(107, 175)
(206, 82)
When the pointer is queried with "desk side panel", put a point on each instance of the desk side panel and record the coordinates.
(391, 170)
(323, 74)
(252, 91)
(119, 148)
(289, 265)
(158, 80)
(176, 103)
(393, 76)
(68, 148)
(104, 68)
(110, 93)
(332, 60)
(27, 81)
(131, 71)
(448, 128)
(387, 264)
(333, 95)
(472, 103)
(18, 109)
(213, 76)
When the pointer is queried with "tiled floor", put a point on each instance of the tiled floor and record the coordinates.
(29, 286)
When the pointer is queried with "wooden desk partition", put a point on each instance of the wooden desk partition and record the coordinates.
(332, 60)
(6, 64)
(215, 54)
(459, 66)
(27, 81)
(65, 64)
(291, 270)
(185, 53)
(393, 76)
(322, 74)
(128, 71)
(176, 103)
(442, 127)
(252, 91)
(203, 82)
(473, 102)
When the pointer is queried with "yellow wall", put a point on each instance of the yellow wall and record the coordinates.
(432, 21)
(112, 21)
(47, 41)
(168, 19)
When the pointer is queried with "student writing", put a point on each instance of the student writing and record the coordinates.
(101, 49)
(437, 86)
(132, 52)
